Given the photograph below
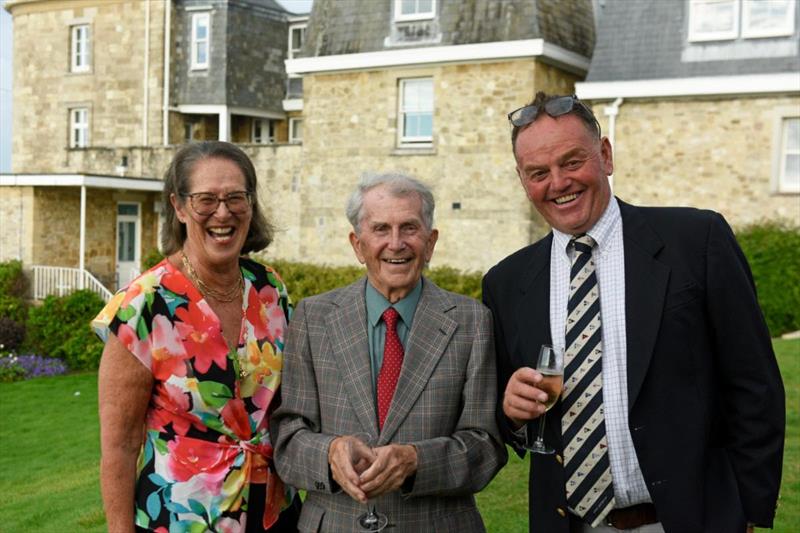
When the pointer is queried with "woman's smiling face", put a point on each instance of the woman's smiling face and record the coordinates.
(218, 238)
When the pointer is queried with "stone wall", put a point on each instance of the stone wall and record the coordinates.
(714, 153)
(351, 128)
(16, 223)
(112, 90)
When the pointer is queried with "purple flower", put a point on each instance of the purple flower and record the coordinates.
(34, 366)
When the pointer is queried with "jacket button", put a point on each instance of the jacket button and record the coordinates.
(561, 512)
(559, 459)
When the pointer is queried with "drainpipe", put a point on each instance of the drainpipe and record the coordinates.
(611, 112)
(82, 252)
(167, 44)
(146, 96)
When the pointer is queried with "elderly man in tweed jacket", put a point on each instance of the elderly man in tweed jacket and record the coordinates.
(426, 403)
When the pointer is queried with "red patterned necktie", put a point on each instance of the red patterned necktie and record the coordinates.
(392, 361)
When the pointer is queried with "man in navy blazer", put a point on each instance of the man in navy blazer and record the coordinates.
(692, 396)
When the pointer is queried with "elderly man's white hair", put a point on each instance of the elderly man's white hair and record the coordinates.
(399, 186)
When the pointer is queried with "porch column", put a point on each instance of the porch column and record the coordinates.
(224, 124)
(81, 263)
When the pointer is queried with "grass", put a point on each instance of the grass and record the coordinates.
(49, 450)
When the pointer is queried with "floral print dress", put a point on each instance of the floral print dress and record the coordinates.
(207, 434)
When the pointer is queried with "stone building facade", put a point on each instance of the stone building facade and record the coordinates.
(702, 118)
(676, 140)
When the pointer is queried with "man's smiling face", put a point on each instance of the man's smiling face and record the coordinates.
(564, 170)
(393, 241)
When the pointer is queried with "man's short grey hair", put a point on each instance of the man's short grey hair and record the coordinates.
(399, 186)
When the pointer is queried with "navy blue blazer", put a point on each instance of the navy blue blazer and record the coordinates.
(706, 400)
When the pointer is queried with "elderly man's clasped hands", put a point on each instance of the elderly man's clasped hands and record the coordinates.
(365, 472)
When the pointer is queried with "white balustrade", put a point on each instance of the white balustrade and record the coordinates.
(60, 281)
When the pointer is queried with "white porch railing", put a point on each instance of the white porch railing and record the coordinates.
(60, 281)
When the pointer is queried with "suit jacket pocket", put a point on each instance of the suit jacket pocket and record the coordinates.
(463, 521)
(310, 518)
(681, 297)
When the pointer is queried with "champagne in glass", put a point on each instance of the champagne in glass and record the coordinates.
(551, 365)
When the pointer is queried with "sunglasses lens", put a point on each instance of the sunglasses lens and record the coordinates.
(559, 106)
(524, 115)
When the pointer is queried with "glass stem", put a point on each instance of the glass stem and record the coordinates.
(540, 438)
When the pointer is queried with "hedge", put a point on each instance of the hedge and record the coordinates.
(773, 251)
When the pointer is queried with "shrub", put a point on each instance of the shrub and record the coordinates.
(12, 334)
(151, 259)
(13, 286)
(10, 369)
(773, 251)
(60, 328)
(305, 279)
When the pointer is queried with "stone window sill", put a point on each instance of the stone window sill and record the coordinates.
(414, 150)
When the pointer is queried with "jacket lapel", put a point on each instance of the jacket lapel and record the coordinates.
(430, 334)
(533, 306)
(645, 289)
(347, 327)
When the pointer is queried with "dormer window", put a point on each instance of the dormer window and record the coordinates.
(721, 20)
(407, 10)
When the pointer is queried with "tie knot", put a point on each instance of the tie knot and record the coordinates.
(582, 243)
(390, 317)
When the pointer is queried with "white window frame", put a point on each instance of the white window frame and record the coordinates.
(79, 127)
(80, 48)
(290, 50)
(694, 10)
(427, 15)
(197, 19)
(416, 140)
(293, 136)
(267, 127)
(782, 150)
(778, 31)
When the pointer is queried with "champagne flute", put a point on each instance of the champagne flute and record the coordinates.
(371, 520)
(551, 365)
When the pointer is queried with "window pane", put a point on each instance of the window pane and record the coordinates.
(792, 126)
(127, 237)
(424, 6)
(408, 7)
(792, 171)
(201, 54)
(713, 16)
(127, 209)
(297, 38)
(763, 16)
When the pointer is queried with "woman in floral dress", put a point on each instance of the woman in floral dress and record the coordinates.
(192, 364)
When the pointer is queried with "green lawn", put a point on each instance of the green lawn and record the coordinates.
(49, 449)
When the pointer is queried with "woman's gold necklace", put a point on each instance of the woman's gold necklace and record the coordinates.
(221, 296)
(225, 296)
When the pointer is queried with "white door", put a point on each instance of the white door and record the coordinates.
(128, 242)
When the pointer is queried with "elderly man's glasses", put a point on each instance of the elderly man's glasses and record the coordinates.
(206, 203)
(555, 108)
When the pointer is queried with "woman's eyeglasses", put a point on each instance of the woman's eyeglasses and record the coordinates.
(206, 203)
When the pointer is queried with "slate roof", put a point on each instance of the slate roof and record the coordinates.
(356, 26)
(646, 39)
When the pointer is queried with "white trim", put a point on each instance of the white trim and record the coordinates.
(503, 50)
(253, 112)
(297, 18)
(81, 180)
(194, 42)
(402, 111)
(781, 150)
(399, 17)
(207, 7)
(81, 127)
(201, 109)
(785, 82)
(293, 104)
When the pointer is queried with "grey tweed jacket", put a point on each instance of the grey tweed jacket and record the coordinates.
(444, 405)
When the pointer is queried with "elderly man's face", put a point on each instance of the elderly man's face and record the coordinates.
(564, 170)
(393, 242)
